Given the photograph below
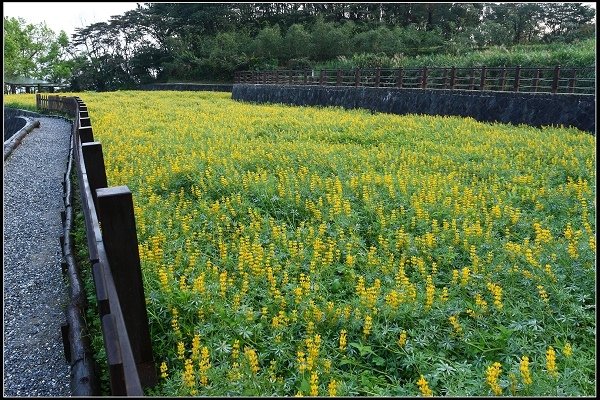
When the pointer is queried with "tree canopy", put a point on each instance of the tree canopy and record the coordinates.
(210, 41)
(35, 51)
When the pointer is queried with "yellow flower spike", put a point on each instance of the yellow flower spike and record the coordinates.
(567, 350)
(164, 370)
(343, 340)
(551, 362)
(402, 338)
(332, 388)
(455, 324)
(252, 358)
(314, 384)
(525, 372)
(492, 374)
(424, 387)
(204, 365)
(367, 326)
(180, 350)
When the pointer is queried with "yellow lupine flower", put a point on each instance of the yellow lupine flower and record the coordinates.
(368, 324)
(492, 374)
(343, 340)
(551, 362)
(314, 384)
(567, 350)
(424, 387)
(402, 338)
(332, 388)
(164, 370)
(525, 372)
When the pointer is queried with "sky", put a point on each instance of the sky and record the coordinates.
(66, 16)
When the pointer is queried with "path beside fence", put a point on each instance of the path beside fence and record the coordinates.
(35, 293)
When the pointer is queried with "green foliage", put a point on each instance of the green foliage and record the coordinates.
(35, 51)
(579, 54)
(174, 42)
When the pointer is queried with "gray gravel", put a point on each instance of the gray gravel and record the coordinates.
(35, 292)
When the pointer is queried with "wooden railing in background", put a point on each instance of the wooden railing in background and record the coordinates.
(114, 257)
(506, 79)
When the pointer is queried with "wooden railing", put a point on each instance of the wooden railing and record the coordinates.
(511, 79)
(114, 257)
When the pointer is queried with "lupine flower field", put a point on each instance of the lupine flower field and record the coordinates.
(327, 252)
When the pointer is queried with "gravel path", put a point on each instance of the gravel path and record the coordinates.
(35, 292)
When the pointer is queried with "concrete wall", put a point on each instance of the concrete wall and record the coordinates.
(536, 109)
(189, 86)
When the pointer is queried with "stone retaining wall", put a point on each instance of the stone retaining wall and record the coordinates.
(536, 109)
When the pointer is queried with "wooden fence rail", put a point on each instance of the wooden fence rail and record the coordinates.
(515, 79)
(114, 257)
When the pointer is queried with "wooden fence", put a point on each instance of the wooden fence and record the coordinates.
(114, 257)
(515, 79)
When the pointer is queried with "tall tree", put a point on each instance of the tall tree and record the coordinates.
(35, 51)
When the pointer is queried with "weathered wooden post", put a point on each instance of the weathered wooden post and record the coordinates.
(305, 79)
(572, 81)
(338, 77)
(502, 78)
(424, 78)
(482, 81)
(357, 77)
(555, 79)
(94, 167)
(400, 78)
(117, 221)
(536, 80)
(377, 76)
(445, 79)
(517, 78)
(322, 77)
(452, 77)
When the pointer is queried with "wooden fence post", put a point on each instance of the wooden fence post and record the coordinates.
(117, 221)
(555, 79)
(502, 78)
(424, 78)
(400, 78)
(452, 77)
(472, 80)
(482, 81)
(517, 78)
(85, 134)
(572, 81)
(536, 80)
(377, 76)
(322, 77)
(305, 78)
(445, 79)
(357, 77)
(94, 167)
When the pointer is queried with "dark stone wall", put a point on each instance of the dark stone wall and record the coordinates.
(536, 109)
(188, 86)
